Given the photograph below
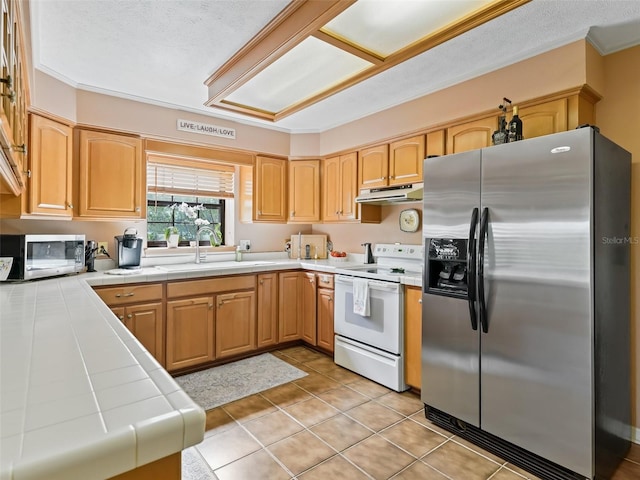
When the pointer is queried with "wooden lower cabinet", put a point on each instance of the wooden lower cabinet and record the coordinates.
(289, 307)
(413, 336)
(146, 323)
(235, 323)
(325, 319)
(308, 307)
(140, 308)
(190, 332)
(267, 311)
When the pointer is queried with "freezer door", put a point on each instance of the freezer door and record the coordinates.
(536, 363)
(450, 347)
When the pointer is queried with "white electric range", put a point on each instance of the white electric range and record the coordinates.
(373, 345)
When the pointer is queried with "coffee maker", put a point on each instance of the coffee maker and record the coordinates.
(129, 248)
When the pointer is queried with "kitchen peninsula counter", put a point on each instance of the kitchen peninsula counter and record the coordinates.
(79, 396)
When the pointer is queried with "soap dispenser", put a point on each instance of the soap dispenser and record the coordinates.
(368, 255)
(238, 254)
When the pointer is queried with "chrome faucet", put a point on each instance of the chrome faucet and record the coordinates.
(198, 232)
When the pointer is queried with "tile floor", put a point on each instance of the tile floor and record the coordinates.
(334, 424)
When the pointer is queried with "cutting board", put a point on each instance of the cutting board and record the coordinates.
(317, 244)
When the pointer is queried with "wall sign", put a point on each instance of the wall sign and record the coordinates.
(206, 129)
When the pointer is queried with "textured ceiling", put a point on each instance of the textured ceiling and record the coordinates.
(162, 51)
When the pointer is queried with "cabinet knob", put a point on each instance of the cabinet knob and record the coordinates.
(137, 209)
(330, 300)
(420, 301)
(70, 205)
(259, 212)
(293, 213)
(129, 316)
(391, 177)
(261, 282)
(337, 212)
(121, 317)
(210, 306)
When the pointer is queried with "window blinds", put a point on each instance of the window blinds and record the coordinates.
(208, 181)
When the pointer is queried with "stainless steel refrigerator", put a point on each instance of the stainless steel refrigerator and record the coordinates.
(526, 336)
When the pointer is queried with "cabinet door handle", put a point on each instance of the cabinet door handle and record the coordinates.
(130, 294)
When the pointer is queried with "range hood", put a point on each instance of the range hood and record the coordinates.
(391, 195)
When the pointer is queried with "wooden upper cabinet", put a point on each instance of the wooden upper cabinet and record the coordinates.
(544, 118)
(340, 188)
(471, 135)
(405, 160)
(14, 100)
(50, 163)
(373, 167)
(270, 192)
(111, 181)
(435, 143)
(304, 191)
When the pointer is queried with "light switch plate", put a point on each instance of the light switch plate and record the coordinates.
(245, 245)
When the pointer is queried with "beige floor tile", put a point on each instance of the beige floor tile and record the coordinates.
(343, 398)
(627, 471)
(506, 474)
(419, 471)
(226, 447)
(333, 469)
(312, 411)
(416, 439)
(420, 418)
(218, 421)
(301, 452)
(258, 465)
(521, 471)
(460, 463)
(478, 449)
(342, 375)
(273, 427)
(341, 432)
(248, 408)
(378, 458)
(634, 453)
(406, 403)
(285, 395)
(321, 364)
(303, 355)
(369, 388)
(374, 415)
(316, 383)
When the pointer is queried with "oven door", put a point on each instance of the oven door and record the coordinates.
(383, 327)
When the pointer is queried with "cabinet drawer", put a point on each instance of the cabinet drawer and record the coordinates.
(130, 294)
(210, 285)
(325, 280)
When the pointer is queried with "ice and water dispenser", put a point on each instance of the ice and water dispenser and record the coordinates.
(446, 267)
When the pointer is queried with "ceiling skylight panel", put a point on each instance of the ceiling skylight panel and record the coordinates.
(386, 26)
(311, 67)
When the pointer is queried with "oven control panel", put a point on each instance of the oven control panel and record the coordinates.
(398, 250)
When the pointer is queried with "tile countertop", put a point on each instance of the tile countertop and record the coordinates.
(79, 396)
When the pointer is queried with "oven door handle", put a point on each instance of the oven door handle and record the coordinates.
(373, 284)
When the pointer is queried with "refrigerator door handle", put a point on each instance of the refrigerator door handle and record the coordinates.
(484, 223)
(471, 269)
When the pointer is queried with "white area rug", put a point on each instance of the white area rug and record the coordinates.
(226, 383)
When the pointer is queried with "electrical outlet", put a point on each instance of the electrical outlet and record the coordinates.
(101, 246)
(245, 245)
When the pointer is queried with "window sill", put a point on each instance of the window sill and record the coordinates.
(165, 251)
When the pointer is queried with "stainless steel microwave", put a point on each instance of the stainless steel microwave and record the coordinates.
(40, 256)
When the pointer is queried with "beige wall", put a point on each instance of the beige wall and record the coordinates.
(618, 116)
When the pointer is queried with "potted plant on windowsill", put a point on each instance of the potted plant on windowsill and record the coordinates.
(172, 236)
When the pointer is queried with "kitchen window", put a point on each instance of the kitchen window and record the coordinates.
(184, 194)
